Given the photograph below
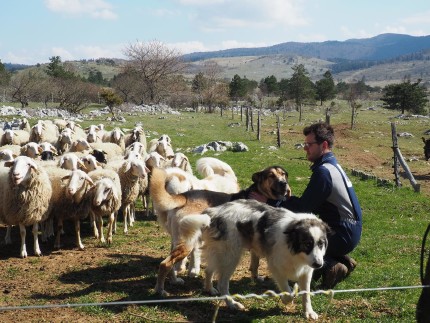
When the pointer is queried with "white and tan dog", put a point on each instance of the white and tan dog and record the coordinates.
(293, 244)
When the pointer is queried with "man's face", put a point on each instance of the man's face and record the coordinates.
(312, 148)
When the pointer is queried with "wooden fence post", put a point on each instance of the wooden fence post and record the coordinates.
(278, 132)
(398, 157)
(259, 126)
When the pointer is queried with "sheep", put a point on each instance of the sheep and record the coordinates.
(78, 132)
(71, 161)
(106, 201)
(60, 123)
(154, 159)
(136, 148)
(25, 192)
(7, 155)
(44, 131)
(181, 161)
(208, 166)
(16, 149)
(71, 199)
(137, 134)
(129, 172)
(14, 137)
(79, 145)
(110, 150)
(25, 125)
(47, 146)
(92, 135)
(115, 136)
(163, 146)
(31, 150)
(91, 163)
(64, 141)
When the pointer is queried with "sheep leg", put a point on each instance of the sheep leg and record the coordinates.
(114, 222)
(78, 234)
(22, 232)
(110, 225)
(93, 219)
(7, 237)
(57, 243)
(126, 212)
(94, 223)
(36, 247)
(100, 226)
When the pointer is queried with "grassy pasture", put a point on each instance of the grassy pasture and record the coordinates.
(388, 256)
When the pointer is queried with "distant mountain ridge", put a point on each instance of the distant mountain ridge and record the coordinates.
(381, 47)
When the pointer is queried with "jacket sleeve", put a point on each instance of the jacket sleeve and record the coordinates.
(317, 191)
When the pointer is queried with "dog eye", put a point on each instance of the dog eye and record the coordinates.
(321, 244)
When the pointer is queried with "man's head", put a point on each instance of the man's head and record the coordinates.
(319, 139)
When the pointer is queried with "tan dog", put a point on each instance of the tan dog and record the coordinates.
(272, 182)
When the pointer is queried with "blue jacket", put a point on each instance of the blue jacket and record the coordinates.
(331, 196)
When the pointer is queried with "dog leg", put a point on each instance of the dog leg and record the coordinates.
(223, 288)
(195, 261)
(255, 262)
(305, 285)
(166, 266)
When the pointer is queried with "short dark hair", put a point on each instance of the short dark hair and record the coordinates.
(322, 131)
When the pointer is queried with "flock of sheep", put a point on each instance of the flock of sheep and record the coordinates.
(55, 171)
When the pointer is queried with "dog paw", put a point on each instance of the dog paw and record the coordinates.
(286, 299)
(161, 292)
(194, 272)
(311, 315)
(212, 291)
(235, 305)
(177, 281)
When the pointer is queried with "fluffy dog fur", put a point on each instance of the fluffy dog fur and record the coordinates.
(293, 244)
(170, 208)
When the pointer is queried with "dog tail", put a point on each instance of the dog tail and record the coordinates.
(163, 200)
(189, 225)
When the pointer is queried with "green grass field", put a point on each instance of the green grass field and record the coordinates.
(395, 220)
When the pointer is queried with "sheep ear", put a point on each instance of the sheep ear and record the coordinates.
(89, 180)
(33, 165)
(65, 177)
(8, 163)
(128, 166)
(81, 163)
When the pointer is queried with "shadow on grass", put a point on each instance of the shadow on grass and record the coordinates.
(133, 279)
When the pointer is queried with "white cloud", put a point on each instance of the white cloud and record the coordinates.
(63, 53)
(222, 15)
(420, 18)
(94, 8)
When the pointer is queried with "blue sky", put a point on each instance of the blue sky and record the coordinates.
(32, 31)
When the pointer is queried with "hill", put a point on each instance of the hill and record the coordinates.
(381, 47)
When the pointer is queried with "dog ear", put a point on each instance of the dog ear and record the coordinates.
(256, 177)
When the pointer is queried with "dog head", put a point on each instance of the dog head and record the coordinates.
(272, 182)
(308, 239)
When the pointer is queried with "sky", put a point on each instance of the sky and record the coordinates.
(32, 31)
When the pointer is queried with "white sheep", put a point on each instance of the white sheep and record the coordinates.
(90, 162)
(25, 125)
(31, 150)
(15, 137)
(7, 155)
(137, 134)
(129, 172)
(71, 161)
(116, 136)
(92, 133)
(78, 132)
(44, 130)
(106, 201)
(208, 166)
(181, 161)
(25, 192)
(79, 145)
(71, 200)
(16, 149)
(163, 146)
(64, 141)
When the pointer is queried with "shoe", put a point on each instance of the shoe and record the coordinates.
(333, 275)
(349, 262)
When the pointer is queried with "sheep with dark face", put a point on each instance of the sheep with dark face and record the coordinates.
(426, 148)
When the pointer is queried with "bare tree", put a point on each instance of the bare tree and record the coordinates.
(154, 63)
(23, 86)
